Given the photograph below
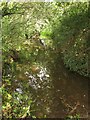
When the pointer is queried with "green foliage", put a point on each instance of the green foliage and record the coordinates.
(75, 117)
(70, 34)
(46, 32)
(23, 56)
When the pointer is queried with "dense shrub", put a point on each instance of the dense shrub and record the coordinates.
(70, 32)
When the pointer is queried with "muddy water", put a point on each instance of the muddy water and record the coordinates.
(58, 92)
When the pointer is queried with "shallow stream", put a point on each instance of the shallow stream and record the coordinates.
(57, 92)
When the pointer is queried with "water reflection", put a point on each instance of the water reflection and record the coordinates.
(66, 93)
(55, 91)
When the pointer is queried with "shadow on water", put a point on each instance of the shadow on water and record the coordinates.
(70, 91)
(57, 92)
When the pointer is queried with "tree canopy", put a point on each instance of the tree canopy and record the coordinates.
(34, 36)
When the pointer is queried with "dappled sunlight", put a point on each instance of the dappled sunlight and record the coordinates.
(45, 60)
